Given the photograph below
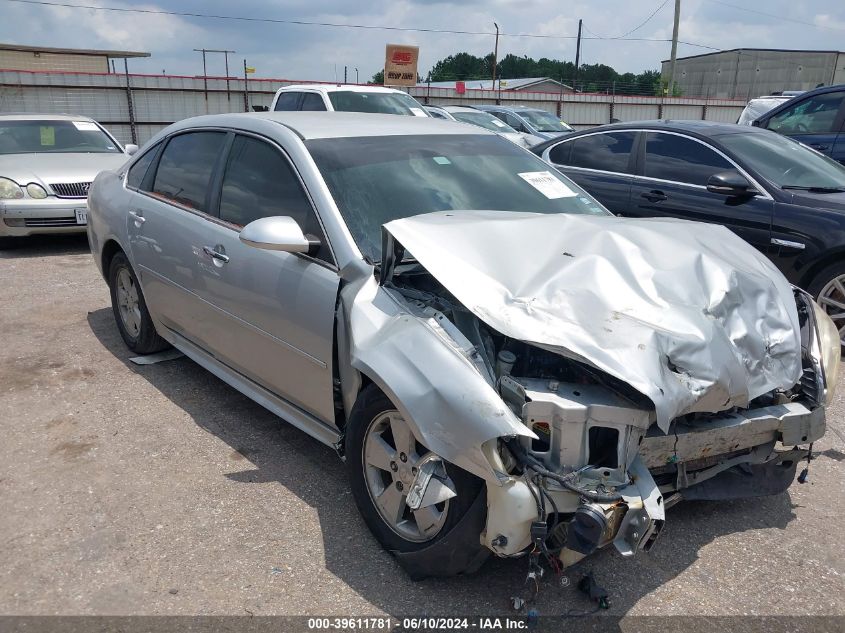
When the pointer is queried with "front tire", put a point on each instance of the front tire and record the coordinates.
(130, 309)
(383, 457)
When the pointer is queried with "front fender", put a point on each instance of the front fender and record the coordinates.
(446, 401)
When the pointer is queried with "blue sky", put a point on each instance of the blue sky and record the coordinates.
(311, 52)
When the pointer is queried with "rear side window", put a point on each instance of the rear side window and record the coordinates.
(815, 115)
(560, 153)
(135, 177)
(606, 152)
(680, 159)
(312, 102)
(287, 101)
(184, 171)
(259, 182)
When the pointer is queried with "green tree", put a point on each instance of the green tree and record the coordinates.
(378, 78)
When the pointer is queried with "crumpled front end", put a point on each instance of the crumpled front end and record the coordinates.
(593, 371)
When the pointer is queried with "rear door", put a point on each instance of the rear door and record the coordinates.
(273, 312)
(168, 217)
(816, 121)
(672, 182)
(602, 163)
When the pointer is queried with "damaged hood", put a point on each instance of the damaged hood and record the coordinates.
(688, 314)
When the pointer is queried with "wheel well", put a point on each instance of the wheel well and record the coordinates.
(820, 264)
(110, 249)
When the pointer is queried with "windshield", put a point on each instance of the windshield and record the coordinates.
(378, 179)
(544, 121)
(487, 121)
(54, 137)
(785, 162)
(378, 102)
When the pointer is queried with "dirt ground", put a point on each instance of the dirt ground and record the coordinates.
(160, 490)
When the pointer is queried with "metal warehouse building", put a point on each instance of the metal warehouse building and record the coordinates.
(35, 58)
(745, 73)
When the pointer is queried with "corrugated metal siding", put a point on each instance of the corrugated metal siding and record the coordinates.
(159, 100)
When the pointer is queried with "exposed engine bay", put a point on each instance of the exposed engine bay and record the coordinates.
(598, 469)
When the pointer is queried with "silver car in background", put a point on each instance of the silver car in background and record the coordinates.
(506, 367)
(47, 164)
(482, 119)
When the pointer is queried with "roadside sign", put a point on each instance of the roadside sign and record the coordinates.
(400, 65)
(249, 70)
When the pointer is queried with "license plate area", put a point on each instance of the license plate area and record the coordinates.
(81, 216)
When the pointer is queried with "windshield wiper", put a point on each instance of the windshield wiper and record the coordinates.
(815, 189)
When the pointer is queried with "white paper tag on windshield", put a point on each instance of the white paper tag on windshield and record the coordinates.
(418, 112)
(86, 126)
(547, 184)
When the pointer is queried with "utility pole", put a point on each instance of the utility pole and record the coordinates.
(357, 80)
(577, 57)
(496, 56)
(674, 47)
(246, 87)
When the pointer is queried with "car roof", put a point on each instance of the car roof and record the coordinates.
(705, 129)
(319, 125)
(339, 88)
(30, 116)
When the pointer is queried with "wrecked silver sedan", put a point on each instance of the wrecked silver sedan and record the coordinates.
(504, 366)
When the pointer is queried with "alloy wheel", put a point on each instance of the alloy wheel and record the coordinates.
(392, 459)
(128, 304)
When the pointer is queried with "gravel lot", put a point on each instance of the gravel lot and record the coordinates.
(160, 490)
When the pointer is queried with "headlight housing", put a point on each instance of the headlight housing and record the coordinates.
(9, 190)
(830, 346)
(36, 191)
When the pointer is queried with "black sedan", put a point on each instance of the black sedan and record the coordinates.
(780, 196)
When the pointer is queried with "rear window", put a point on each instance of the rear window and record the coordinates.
(184, 171)
(377, 102)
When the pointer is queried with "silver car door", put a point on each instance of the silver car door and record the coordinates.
(166, 219)
(274, 311)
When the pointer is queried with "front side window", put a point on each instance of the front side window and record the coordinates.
(312, 102)
(378, 102)
(374, 180)
(786, 162)
(605, 152)
(259, 182)
(681, 159)
(287, 101)
(54, 137)
(184, 171)
(815, 115)
(513, 121)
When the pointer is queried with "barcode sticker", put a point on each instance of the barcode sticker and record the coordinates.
(547, 184)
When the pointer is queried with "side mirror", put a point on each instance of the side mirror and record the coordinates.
(278, 233)
(130, 148)
(730, 183)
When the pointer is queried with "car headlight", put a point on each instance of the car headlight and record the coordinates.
(830, 345)
(36, 191)
(9, 190)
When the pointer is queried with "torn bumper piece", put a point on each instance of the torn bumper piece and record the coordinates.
(720, 457)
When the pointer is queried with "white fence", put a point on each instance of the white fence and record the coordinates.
(135, 107)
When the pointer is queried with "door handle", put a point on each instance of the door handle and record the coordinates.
(220, 257)
(654, 196)
(138, 218)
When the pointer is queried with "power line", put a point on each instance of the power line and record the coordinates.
(636, 28)
(777, 17)
(241, 18)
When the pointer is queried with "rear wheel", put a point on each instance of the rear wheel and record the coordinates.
(384, 460)
(130, 310)
(828, 288)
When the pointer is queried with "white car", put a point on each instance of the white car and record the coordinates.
(47, 163)
(759, 106)
(344, 98)
(474, 116)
